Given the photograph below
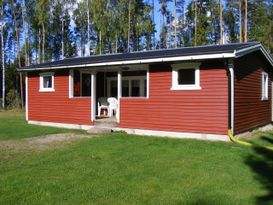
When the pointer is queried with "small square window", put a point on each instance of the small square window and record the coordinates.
(186, 77)
(265, 86)
(46, 82)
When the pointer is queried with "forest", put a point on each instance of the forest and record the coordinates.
(38, 31)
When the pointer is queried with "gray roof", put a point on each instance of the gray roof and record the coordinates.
(144, 55)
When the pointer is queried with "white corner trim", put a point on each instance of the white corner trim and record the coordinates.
(93, 96)
(119, 94)
(148, 83)
(231, 72)
(60, 125)
(183, 135)
(26, 91)
(71, 83)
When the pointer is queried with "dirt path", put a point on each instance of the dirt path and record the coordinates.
(42, 142)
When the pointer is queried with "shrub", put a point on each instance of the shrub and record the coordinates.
(12, 100)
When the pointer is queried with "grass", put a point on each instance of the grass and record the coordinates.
(14, 126)
(125, 169)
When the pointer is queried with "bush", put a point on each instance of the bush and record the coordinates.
(13, 102)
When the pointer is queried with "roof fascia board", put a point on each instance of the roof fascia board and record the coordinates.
(248, 50)
(244, 51)
(144, 61)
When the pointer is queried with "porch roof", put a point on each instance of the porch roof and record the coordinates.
(233, 50)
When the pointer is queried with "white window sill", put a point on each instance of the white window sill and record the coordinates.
(186, 87)
(264, 98)
(47, 90)
(142, 97)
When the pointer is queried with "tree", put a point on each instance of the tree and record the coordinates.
(260, 21)
(15, 9)
(164, 28)
(181, 22)
(246, 14)
(221, 21)
(80, 19)
(2, 53)
(42, 12)
(231, 17)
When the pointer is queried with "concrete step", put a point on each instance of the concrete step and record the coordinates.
(99, 130)
(102, 124)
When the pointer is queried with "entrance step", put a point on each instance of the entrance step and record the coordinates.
(105, 124)
(99, 130)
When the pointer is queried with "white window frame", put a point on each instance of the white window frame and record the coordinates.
(130, 78)
(265, 86)
(177, 67)
(42, 75)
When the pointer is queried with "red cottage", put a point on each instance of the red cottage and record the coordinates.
(194, 92)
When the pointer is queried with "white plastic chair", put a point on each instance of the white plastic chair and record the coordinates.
(113, 105)
(103, 105)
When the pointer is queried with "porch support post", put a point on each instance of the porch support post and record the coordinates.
(26, 91)
(119, 95)
(93, 96)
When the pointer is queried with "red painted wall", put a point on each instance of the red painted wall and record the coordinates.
(57, 106)
(197, 111)
(249, 110)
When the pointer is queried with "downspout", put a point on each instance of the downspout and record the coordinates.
(231, 94)
(231, 107)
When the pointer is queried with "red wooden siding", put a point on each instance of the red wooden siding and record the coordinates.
(57, 106)
(196, 111)
(249, 110)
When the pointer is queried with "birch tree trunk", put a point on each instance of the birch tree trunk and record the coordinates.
(240, 20)
(246, 12)
(18, 53)
(129, 26)
(43, 42)
(221, 22)
(62, 38)
(25, 36)
(39, 46)
(195, 23)
(3, 64)
(88, 29)
(175, 24)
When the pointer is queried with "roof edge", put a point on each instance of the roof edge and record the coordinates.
(245, 51)
(144, 61)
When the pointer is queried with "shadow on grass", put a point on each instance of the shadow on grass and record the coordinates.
(261, 162)
(267, 139)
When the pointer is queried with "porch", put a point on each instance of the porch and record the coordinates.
(105, 87)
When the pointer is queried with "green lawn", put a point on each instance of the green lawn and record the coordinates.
(125, 169)
(14, 126)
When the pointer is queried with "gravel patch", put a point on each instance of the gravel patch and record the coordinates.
(42, 142)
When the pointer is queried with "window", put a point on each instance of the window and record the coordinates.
(186, 77)
(114, 88)
(132, 86)
(81, 84)
(135, 88)
(264, 86)
(47, 82)
(125, 88)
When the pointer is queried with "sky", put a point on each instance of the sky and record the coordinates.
(157, 14)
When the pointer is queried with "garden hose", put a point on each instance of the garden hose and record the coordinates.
(233, 139)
